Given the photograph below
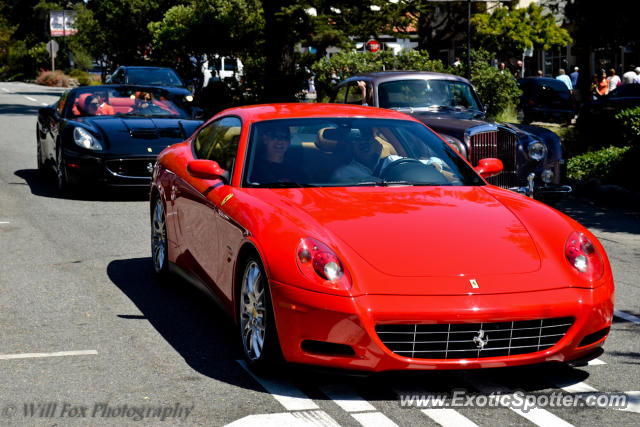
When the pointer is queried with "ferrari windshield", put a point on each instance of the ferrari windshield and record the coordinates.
(405, 94)
(129, 101)
(339, 152)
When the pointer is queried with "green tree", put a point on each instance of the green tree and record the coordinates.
(507, 32)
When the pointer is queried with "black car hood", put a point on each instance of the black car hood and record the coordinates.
(140, 135)
(452, 123)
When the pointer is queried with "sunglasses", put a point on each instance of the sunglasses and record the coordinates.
(94, 104)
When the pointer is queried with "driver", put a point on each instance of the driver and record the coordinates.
(366, 163)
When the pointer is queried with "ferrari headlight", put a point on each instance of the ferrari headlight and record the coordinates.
(316, 261)
(84, 139)
(584, 257)
(537, 150)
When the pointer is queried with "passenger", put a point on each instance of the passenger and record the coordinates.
(144, 106)
(271, 164)
(92, 105)
(105, 108)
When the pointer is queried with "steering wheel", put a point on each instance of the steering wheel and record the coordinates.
(407, 169)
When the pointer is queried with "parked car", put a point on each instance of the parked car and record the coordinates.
(147, 76)
(531, 155)
(218, 68)
(108, 135)
(606, 107)
(546, 99)
(416, 263)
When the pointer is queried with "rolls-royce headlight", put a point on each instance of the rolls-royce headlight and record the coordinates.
(84, 139)
(537, 150)
(547, 176)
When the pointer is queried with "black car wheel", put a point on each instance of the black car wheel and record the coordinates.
(258, 334)
(61, 172)
(39, 156)
(159, 247)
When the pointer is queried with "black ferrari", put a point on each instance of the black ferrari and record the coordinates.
(112, 134)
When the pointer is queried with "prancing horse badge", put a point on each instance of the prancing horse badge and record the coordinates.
(474, 284)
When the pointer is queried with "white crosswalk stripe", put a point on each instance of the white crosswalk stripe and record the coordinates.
(289, 396)
(447, 417)
(364, 412)
(627, 316)
(538, 416)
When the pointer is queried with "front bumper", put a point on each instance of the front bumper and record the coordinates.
(304, 316)
(113, 171)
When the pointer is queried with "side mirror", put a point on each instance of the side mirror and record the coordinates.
(207, 169)
(489, 167)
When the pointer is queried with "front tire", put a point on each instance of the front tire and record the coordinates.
(159, 246)
(39, 161)
(258, 334)
(61, 172)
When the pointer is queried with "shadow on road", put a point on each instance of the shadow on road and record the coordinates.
(591, 215)
(192, 324)
(18, 109)
(45, 186)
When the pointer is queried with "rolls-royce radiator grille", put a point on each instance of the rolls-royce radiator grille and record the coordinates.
(499, 144)
(131, 168)
(473, 340)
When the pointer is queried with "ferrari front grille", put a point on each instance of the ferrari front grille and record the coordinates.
(131, 168)
(500, 144)
(473, 340)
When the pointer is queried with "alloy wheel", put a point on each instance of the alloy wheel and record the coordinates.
(253, 311)
(158, 237)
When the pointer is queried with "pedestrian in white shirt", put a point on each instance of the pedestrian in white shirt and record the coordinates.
(629, 76)
(564, 78)
(614, 80)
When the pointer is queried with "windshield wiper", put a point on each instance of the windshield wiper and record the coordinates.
(385, 183)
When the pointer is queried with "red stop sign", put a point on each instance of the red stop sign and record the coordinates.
(373, 45)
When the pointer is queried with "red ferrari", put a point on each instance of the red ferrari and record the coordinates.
(357, 238)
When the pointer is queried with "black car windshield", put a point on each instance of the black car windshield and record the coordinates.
(405, 94)
(129, 101)
(345, 152)
(153, 76)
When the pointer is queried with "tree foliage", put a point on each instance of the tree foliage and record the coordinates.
(508, 32)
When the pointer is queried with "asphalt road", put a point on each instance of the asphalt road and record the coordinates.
(85, 329)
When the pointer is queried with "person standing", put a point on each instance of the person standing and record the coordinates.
(629, 76)
(574, 77)
(564, 78)
(614, 80)
(603, 84)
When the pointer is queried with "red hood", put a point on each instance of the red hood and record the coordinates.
(422, 231)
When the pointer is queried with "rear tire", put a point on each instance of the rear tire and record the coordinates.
(257, 326)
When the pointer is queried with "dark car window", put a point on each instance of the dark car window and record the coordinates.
(628, 90)
(340, 94)
(327, 152)
(153, 76)
(401, 94)
(118, 76)
(61, 102)
(219, 142)
(354, 94)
